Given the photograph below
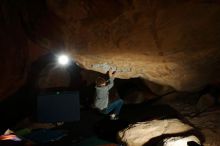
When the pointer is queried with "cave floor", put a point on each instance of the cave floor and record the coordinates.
(206, 120)
(95, 126)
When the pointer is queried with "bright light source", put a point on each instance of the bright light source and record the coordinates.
(63, 59)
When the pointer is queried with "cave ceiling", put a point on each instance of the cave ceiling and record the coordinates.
(173, 43)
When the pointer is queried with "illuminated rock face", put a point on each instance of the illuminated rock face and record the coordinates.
(172, 43)
(143, 133)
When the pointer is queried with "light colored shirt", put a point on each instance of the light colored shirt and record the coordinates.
(102, 95)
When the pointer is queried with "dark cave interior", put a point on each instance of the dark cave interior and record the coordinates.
(161, 58)
(141, 104)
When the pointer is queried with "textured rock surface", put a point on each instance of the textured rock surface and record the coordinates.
(180, 141)
(172, 43)
(206, 120)
(205, 101)
(142, 132)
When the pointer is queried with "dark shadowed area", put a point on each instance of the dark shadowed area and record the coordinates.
(166, 58)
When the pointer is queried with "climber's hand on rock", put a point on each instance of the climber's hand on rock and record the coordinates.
(111, 73)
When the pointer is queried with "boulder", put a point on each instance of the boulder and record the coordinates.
(181, 141)
(205, 102)
(170, 131)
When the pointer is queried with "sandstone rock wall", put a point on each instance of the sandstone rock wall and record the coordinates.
(171, 43)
